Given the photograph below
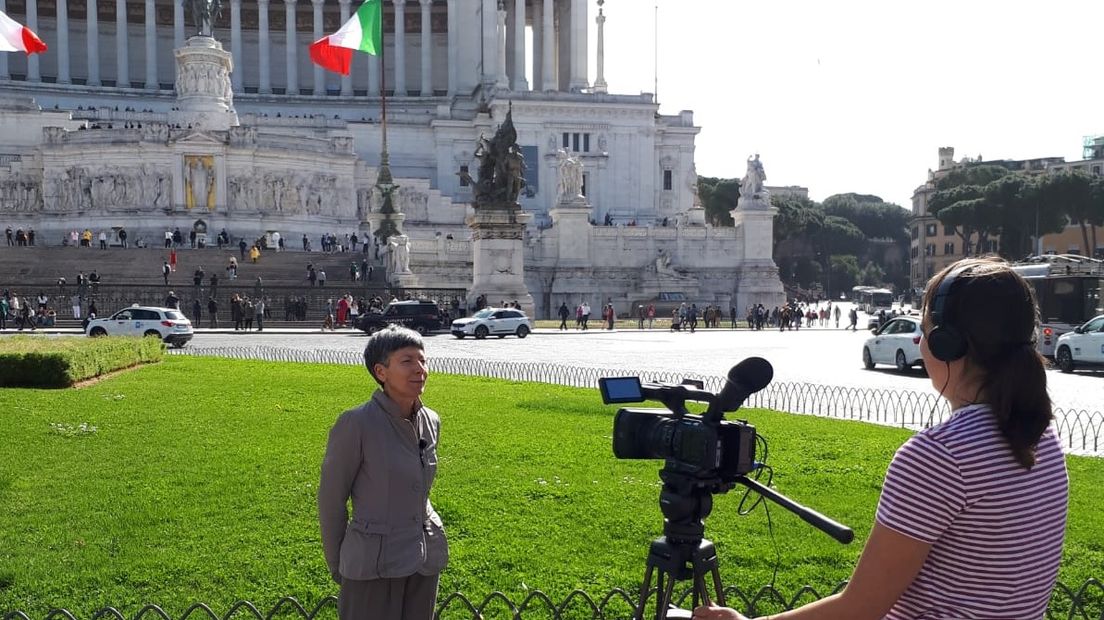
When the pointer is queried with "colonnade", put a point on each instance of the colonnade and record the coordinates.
(559, 59)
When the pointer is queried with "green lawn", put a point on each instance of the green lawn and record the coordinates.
(198, 484)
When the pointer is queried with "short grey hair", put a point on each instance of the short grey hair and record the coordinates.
(385, 342)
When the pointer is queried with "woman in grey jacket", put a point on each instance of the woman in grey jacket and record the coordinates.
(383, 455)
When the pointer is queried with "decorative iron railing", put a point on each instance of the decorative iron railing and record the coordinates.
(1084, 603)
(1080, 431)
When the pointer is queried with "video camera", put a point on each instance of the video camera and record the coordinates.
(707, 445)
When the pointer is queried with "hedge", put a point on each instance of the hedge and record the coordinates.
(55, 362)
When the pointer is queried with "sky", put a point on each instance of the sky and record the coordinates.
(857, 96)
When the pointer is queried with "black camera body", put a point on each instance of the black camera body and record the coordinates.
(724, 449)
(699, 447)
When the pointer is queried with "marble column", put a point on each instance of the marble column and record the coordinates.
(5, 72)
(33, 74)
(502, 80)
(520, 81)
(600, 85)
(264, 49)
(453, 41)
(346, 80)
(63, 42)
(488, 56)
(236, 76)
(427, 49)
(122, 53)
(92, 25)
(319, 77)
(400, 48)
(291, 45)
(537, 61)
(178, 23)
(548, 40)
(578, 45)
(151, 47)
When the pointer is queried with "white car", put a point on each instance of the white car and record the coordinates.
(170, 325)
(499, 322)
(897, 343)
(1083, 347)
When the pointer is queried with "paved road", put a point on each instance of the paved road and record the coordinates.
(821, 356)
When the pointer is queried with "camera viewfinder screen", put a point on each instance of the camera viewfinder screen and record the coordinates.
(620, 390)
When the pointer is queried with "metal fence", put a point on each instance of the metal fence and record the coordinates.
(1084, 603)
(1079, 430)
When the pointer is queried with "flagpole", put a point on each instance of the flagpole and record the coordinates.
(384, 181)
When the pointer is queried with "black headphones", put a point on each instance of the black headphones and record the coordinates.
(945, 342)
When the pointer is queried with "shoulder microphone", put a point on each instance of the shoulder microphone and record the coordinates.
(744, 379)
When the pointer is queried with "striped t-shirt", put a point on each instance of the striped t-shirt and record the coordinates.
(996, 528)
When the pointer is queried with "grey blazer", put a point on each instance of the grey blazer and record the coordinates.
(386, 464)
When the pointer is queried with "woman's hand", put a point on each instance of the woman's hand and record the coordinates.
(712, 612)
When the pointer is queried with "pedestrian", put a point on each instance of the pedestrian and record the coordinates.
(564, 313)
(9, 236)
(75, 303)
(212, 312)
(248, 312)
(4, 307)
(258, 313)
(394, 436)
(165, 270)
(122, 234)
(586, 315)
(321, 277)
(254, 254)
(312, 275)
(172, 301)
(242, 247)
(172, 259)
(197, 277)
(168, 239)
(853, 316)
(192, 238)
(836, 312)
(981, 498)
(641, 315)
(197, 313)
(103, 240)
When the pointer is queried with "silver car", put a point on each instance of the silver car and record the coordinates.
(897, 343)
(499, 322)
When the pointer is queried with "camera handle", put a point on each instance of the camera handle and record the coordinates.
(836, 530)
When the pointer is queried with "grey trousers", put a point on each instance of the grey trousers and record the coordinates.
(404, 598)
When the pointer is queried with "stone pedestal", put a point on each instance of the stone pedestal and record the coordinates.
(695, 216)
(203, 92)
(757, 278)
(498, 260)
(571, 223)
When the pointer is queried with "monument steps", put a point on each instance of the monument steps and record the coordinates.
(43, 265)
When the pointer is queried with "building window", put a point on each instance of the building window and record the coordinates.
(464, 176)
(586, 142)
(585, 175)
(929, 249)
(930, 230)
(667, 180)
(575, 142)
(948, 249)
(948, 231)
(1096, 171)
(915, 232)
(915, 251)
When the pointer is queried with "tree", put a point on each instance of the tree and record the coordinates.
(718, 197)
(845, 272)
(963, 191)
(1081, 198)
(871, 275)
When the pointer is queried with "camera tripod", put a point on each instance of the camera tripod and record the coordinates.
(683, 554)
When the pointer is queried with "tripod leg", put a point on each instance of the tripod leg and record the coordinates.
(717, 587)
(668, 596)
(645, 588)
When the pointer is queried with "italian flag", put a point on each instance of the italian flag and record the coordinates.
(364, 32)
(15, 37)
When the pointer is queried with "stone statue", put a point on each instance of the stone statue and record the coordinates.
(571, 177)
(204, 13)
(751, 187)
(402, 254)
(501, 166)
(199, 179)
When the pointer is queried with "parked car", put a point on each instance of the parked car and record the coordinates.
(420, 315)
(1083, 347)
(897, 343)
(168, 324)
(499, 322)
